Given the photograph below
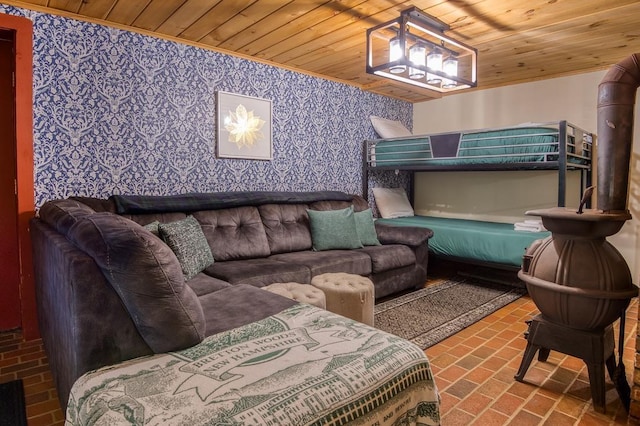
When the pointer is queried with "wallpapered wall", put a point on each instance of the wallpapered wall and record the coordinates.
(120, 112)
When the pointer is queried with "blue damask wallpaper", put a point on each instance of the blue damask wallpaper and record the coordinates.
(121, 112)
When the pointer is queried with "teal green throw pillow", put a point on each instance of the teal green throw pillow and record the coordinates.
(186, 239)
(333, 229)
(366, 229)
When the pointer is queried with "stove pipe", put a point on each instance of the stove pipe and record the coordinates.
(616, 101)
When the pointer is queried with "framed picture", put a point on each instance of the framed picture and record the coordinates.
(244, 127)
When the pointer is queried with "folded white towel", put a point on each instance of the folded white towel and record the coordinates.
(529, 226)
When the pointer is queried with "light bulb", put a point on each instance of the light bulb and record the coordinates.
(395, 53)
(450, 67)
(434, 62)
(417, 57)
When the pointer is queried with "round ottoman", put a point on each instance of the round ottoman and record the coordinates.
(303, 293)
(349, 295)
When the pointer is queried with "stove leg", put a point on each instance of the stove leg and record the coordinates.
(529, 353)
(611, 365)
(594, 347)
(543, 355)
(596, 380)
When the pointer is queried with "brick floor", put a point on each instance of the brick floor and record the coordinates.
(475, 376)
(28, 361)
(473, 369)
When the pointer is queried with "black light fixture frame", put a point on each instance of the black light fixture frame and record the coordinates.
(415, 18)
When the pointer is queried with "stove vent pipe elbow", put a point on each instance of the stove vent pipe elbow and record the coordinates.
(616, 101)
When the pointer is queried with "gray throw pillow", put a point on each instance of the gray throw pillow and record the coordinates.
(186, 239)
(366, 228)
(333, 229)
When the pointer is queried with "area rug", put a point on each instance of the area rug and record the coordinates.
(430, 315)
(12, 408)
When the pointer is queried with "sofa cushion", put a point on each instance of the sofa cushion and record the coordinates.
(320, 262)
(203, 284)
(259, 272)
(148, 278)
(333, 229)
(357, 202)
(256, 305)
(235, 233)
(144, 219)
(287, 227)
(391, 256)
(325, 205)
(189, 244)
(366, 228)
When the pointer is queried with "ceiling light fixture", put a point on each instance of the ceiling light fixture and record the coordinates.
(414, 49)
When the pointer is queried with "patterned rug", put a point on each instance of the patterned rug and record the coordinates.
(430, 315)
(12, 408)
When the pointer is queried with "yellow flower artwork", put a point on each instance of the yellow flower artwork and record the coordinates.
(243, 127)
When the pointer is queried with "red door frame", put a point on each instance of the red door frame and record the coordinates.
(10, 309)
(23, 28)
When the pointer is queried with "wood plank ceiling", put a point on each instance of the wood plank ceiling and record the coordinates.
(517, 40)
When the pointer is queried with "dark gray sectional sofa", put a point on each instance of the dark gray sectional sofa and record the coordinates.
(109, 290)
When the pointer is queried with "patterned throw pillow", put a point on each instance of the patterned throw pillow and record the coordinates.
(153, 227)
(333, 229)
(186, 239)
(366, 228)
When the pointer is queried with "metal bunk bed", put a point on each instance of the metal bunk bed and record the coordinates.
(557, 146)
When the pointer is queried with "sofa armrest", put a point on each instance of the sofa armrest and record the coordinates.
(82, 320)
(408, 235)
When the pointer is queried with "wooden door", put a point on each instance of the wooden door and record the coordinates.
(10, 304)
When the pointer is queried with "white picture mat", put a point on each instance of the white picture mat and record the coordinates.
(258, 143)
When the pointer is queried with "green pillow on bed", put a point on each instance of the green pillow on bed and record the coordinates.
(333, 229)
(366, 228)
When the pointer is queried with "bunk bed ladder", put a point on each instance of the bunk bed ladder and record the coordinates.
(365, 171)
(562, 163)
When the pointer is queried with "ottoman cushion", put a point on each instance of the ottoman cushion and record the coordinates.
(303, 293)
(349, 295)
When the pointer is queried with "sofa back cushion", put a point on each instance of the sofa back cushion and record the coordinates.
(63, 214)
(286, 226)
(146, 218)
(148, 278)
(234, 233)
(359, 204)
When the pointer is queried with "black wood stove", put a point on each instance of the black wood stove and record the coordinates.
(580, 283)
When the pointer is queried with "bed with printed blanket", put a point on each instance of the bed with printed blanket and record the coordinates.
(302, 366)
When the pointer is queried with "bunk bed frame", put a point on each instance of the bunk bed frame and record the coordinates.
(557, 146)
(563, 147)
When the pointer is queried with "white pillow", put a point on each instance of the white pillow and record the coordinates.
(389, 128)
(392, 202)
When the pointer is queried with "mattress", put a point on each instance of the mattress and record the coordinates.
(470, 239)
(513, 145)
(302, 366)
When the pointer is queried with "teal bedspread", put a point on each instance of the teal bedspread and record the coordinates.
(471, 239)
